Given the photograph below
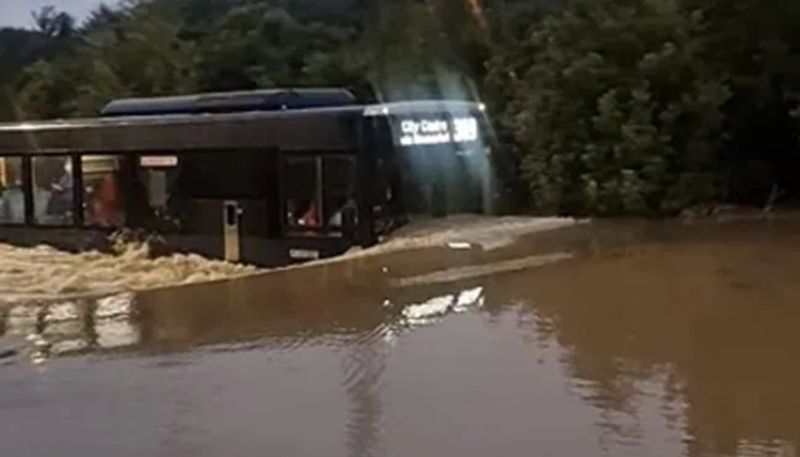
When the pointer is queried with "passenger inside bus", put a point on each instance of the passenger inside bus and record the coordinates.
(59, 205)
(106, 204)
(311, 218)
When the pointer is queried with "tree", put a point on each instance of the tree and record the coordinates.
(606, 106)
(757, 42)
(22, 48)
(18, 49)
(615, 111)
(138, 52)
(54, 23)
(47, 90)
(259, 45)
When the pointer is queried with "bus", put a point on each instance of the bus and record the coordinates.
(267, 177)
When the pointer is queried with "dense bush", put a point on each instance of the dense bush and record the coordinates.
(613, 110)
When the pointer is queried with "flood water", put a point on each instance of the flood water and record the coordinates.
(627, 339)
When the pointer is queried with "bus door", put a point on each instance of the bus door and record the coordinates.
(223, 201)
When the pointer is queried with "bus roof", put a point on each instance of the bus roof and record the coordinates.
(231, 102)
(322, 129)
(306, 129)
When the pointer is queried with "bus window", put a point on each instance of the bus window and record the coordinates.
(320, 193)
(12, 196)
(53, 191)
(156, 183)
(302, 192)
(339, 191)
(386, 191)
(104, 204)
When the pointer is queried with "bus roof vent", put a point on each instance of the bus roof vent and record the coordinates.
(231, 102)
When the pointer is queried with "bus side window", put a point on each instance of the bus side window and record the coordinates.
(302, 193)
(104, 204)
(156, 186)
(12, 196)
(320, 193)
(53, 184)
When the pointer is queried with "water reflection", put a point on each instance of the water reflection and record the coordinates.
(232, 319)
(650, 342)
(363, 368)
(707, 319)
(432, 309)
(73, 327)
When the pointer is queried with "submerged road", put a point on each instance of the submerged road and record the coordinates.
(640, 339)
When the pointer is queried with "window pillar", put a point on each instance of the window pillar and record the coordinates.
(27, 187)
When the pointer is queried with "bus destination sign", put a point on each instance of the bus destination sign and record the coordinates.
(424, 132)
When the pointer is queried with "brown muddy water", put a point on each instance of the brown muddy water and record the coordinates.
(609, 339)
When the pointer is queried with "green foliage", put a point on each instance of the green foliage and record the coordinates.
(18, 49)
(757, 42)
(397, 49)
(613, 109)
(164, 46)
(601, 106)
(144, 54)
(234, 54)
(53, 23)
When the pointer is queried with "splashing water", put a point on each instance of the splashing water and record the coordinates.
(45, 273)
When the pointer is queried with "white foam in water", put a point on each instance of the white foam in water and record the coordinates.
(465, 231)
(44, 273)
